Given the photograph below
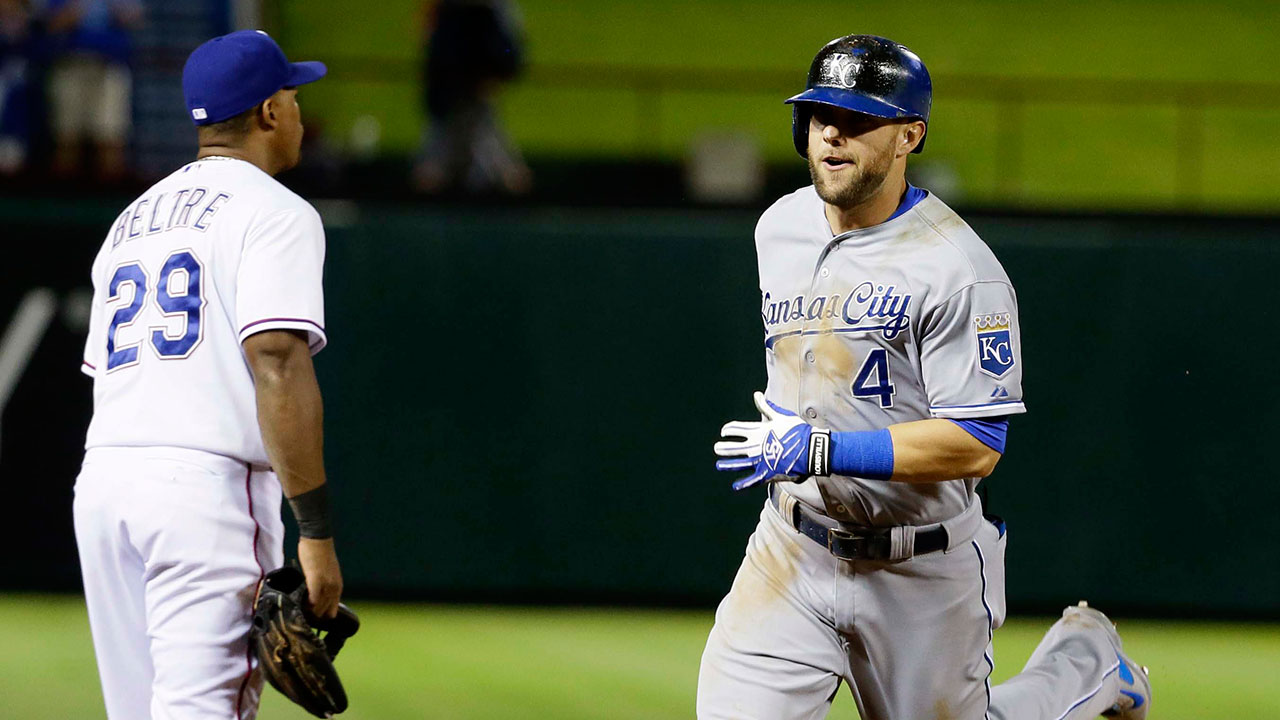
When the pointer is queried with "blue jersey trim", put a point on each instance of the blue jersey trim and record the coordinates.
(910, 198)
(979, 405)
(773, 339)
(991, 626)
(991, 432)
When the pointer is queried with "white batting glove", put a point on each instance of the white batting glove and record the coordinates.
(776, 447)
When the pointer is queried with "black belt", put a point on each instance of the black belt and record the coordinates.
(864, 543)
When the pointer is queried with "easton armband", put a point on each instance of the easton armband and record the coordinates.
(864, 454)
(311, 510)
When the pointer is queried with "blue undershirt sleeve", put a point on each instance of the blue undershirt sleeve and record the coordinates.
(991, 432)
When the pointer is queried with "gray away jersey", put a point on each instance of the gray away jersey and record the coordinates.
(911, 319)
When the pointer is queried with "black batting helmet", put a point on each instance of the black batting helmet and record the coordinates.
(866, 74)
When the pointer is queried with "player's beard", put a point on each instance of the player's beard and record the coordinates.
(852, 186)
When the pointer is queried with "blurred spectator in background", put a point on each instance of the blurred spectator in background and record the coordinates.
(90, 85)
(472, 48)
(15, 25)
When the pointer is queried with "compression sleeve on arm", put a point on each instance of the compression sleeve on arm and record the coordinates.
(991, 432)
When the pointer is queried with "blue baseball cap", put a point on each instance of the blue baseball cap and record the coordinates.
(230, 74)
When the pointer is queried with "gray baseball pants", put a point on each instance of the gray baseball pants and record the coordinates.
(912, 639)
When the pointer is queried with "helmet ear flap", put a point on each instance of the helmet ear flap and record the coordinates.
(800, 128)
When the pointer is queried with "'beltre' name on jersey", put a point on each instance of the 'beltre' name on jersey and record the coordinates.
(192, 207)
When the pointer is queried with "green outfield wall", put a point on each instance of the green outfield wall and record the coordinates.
(1140, 103)
(520, 404)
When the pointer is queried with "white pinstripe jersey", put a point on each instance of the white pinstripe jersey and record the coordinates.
(208, 256)
(910, 319)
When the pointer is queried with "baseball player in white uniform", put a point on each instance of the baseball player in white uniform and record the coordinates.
(207, 309)
(894, 361)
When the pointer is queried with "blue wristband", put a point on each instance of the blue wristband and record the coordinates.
(860, 453)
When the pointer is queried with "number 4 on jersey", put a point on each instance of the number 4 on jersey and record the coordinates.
(873, 379)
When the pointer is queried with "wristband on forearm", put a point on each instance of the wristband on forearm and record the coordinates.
(311, 510)
(864, 454)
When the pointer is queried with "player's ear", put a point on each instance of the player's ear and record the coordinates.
(267, 115)
(911, 135)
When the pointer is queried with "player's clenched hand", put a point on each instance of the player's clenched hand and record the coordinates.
(777, 446)
(324, 577)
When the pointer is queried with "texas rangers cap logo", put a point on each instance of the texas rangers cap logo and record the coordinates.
(995, 344)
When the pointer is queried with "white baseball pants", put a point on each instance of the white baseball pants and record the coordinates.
(912, 639)
(172, 545)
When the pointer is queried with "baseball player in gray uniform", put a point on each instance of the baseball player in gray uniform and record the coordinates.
(894, 361)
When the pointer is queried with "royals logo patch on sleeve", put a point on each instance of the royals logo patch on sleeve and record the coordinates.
(995, 344)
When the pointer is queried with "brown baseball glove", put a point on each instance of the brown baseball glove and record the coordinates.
(293, 655)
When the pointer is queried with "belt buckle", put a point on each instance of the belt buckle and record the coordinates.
(845, 538)
(872, 544)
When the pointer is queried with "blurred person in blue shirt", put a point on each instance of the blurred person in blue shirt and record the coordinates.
(90, 85)
(472, 48)
(15, 26)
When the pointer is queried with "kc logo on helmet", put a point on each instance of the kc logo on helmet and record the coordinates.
(995, 344)
(842, 69)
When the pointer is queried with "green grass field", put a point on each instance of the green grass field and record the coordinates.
(432, 661)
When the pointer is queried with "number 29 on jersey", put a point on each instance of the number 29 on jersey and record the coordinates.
(177, 293)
